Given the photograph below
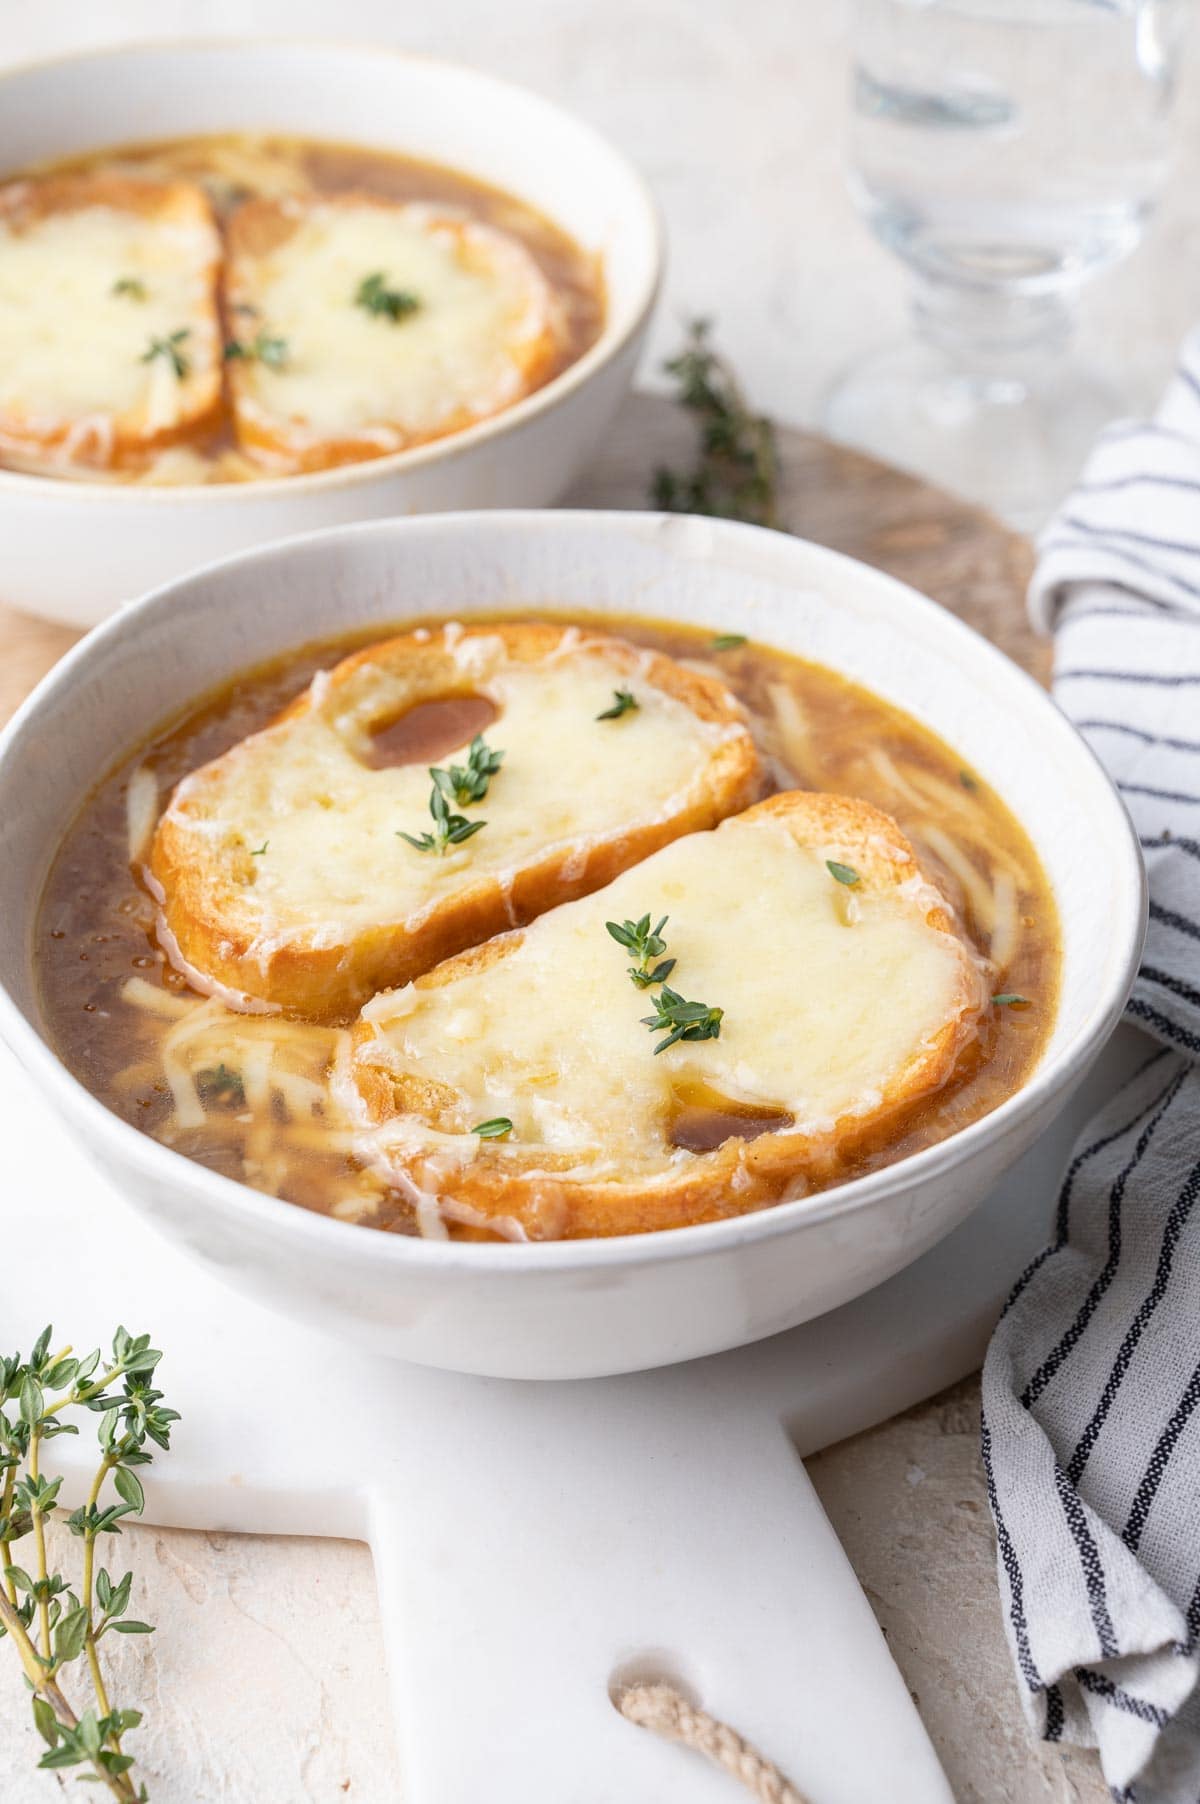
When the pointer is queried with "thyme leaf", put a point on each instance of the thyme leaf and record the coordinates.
(624, 702)
(376, 298)
(645, 943)
(469, 783)
(448, 829)
(495, 1129)
(736, 470)
(1010, 999)
(842, 873)
(129, 287)
(682, 1020)
(221, 1087)
(727, 641)
(168, 349)
(263, 348)
(257, 851)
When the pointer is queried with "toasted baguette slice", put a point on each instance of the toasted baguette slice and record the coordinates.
(282, 868)
(473, 326)
(95, 271)
(844, 1006)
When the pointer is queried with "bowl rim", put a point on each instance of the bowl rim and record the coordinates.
(1053, 1077)
(615, 335)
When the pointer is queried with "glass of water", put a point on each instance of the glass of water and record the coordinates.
(1008, 151)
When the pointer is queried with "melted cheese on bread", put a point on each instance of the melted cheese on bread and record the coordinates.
(356, 382)
(281, 867)
(94, 270)
(843, 1005)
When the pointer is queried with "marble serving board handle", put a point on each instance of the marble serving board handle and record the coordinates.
(550, 1543)
(538, 1544)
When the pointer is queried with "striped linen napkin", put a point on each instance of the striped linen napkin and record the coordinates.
(1091, 1387)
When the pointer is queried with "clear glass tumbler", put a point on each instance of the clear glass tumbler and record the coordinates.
(1008, 151)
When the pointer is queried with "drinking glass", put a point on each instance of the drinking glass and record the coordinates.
(1008, 151)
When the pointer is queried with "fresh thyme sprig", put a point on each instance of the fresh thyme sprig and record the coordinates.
(168, 349)
(623, 702)
(469, 783)
(736, 472)
(645, 943)
(682, 1020)
(129, 288)
(375, 297)
(674, 1016)
(462, 783)
(264, 348)
(448, 829)
(50, 1622)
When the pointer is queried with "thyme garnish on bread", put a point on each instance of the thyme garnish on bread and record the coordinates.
(264, 348)
(495, 1129)
(623, 702)
(375, 297)
(736, 472)
(448, 829)
(674, 1015)
(842, 873)
(682, 1020)
(169, 349)
(50, 1622)
(469, 783)
(462, 784)
(645, 943)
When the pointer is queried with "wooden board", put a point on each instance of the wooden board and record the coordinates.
(955, 552)
(942, 545)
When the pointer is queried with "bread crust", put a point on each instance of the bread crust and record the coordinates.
(288, 444)
(209, 934)
(121, 439)
(505, 1190)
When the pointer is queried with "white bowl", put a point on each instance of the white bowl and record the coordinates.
(580, 1308)
(74, 551)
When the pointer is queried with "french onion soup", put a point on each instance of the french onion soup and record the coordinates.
(233, 307)
(540, 929)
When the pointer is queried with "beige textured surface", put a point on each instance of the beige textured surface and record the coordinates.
(263, 1683)
(910, 1507)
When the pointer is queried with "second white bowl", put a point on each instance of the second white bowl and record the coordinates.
(74, 551)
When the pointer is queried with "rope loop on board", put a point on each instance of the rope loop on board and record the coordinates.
(667, 1712)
